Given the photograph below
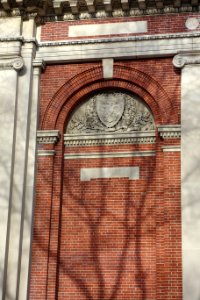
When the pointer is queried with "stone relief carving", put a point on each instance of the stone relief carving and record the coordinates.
(111, 112)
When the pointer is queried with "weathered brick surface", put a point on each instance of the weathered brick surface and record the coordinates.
(159, 24)
(108, 238)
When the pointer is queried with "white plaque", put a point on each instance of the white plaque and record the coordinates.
(107, 29)
(121, 172)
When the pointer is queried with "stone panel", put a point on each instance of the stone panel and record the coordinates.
(123, 172)
(108, 29)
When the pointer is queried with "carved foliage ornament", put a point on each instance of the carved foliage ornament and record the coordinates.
(111, 112)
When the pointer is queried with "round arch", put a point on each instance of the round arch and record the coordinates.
(124, 78)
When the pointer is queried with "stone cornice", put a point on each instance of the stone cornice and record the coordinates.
(15, 63)
(169, 131)
(73, 140)
(161, 45)
(117, 13)
(48, 136)
(53, 10)
(11, 13)
(120, 39)
(182, 59)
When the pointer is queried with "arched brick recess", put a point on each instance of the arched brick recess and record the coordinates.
(125, 78)
(60, 177)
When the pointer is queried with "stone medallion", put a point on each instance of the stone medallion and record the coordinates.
(109, 109)
(192, 23)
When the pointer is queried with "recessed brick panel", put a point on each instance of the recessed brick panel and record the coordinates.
(108, 238)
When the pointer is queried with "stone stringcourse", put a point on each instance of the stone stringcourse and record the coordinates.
(172, 148)
(48, 136)
(170, 131)
(110, 139)
(120, 39)
(46, 152)
(109, 154)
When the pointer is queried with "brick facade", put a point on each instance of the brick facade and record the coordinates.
(108, 238)
(159, 24)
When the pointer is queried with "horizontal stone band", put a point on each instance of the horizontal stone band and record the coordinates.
(109, 154)
(110, 139)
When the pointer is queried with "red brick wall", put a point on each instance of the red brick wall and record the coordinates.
(108, 245)
(108, 238)
(154, 80)
(159, 24)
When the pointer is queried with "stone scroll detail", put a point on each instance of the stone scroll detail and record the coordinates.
(111, 112)
(15, 63)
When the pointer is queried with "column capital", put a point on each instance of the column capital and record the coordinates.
(39, 63)
(7, 62)
(188, 58)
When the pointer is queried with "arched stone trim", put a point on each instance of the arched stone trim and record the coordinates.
(98, 86)
(151, 86)
(125, 78)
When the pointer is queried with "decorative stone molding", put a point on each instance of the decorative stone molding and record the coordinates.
(101, 13)
(172, 148)
(58, 10)
(109, 154)
(12, 39)
(78, 50)
(48, 136)
(31, 40)
(169, 131)
(120, 39)
(182, 59)
(148, 137)
(16, 63)
(12, 13)
(39, 63)
(46, 152)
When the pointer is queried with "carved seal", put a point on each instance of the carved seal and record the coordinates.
(111, 112)
(109, 109)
